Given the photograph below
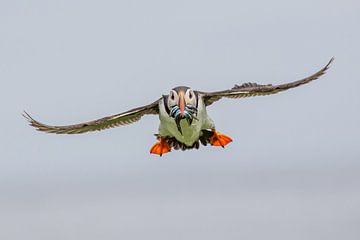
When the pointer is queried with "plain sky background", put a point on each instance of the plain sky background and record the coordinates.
(292, 171)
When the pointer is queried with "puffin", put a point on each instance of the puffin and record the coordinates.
(184, 122)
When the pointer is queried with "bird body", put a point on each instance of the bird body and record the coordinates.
(184, 122)
(190, 132)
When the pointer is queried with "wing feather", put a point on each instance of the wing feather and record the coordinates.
(116, 120)
(254, 89)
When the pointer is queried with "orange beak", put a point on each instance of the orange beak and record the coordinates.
(181, 102)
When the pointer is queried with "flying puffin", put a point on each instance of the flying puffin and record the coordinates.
(184, 122)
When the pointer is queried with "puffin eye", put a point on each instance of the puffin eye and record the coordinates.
(173, 98)
(190, 97)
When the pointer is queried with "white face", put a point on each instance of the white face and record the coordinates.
(182, 105)
(189, 98)
(173, 99)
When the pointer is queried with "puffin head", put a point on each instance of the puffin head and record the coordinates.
(182, 104)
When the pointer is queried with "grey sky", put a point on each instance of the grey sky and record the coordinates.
(292, 171)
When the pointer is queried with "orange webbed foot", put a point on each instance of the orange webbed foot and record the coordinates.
(160, 147)
(219, 139)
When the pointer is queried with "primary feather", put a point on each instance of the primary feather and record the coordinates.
(254, 89)
(120, 119)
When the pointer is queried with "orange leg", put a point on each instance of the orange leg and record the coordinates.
(219, 139)
(160, 147)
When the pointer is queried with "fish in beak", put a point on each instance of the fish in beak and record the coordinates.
(183, 111)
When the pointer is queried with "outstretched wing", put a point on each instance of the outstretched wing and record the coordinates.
(124, 118)
(254, 89)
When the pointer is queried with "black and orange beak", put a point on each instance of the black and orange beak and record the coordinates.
(182, 103)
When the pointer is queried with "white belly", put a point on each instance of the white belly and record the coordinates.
(190, 133)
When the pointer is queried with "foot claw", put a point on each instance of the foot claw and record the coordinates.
(160, 147)
(219, 139)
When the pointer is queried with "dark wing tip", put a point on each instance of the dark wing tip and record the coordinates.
(328, 64)
(323, 70)
(28, 117)
(32, 121)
